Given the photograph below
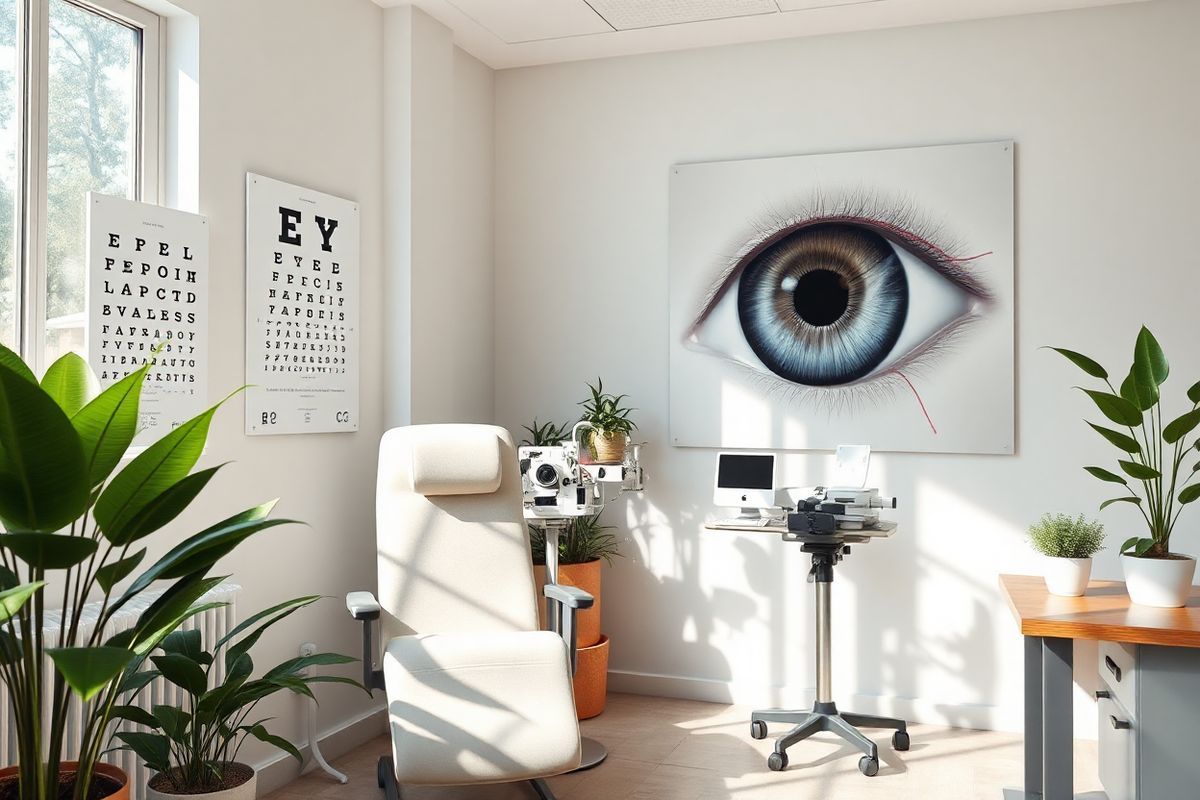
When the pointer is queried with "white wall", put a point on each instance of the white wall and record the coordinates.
(291, 90)
(438, 134)
(1101, 106)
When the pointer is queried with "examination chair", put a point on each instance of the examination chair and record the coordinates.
(476, 693)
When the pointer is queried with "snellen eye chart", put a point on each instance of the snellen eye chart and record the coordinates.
(147, 288)
(302, 301)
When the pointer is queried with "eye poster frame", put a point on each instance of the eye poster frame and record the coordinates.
(861, 296)
(303, 277)
(147, 288)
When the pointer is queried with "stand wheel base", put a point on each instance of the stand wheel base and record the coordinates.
(900, 740)
(868, 766)
(758, 729)
(777, 762)
(381, 772)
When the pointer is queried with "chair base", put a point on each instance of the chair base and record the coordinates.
(825, 717)
(385, 773)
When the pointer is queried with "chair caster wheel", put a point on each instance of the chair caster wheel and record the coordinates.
(381, 772)
(900, 740)
(758, 729)
(777, 762)
(868, 766)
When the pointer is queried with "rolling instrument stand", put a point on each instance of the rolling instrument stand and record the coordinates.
(827, 550)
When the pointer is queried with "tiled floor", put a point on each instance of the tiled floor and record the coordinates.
(662, 749)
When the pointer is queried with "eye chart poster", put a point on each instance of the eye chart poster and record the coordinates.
(148, 287)
(302, 284)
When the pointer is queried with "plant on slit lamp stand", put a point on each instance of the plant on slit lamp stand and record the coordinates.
(193, 748)
(1068, 544)
(73, 531)
(582, 546)
(610, 422)
(1152, 470)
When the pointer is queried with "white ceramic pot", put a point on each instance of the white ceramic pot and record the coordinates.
(1067, 577)
(1160, 582)
(244, 791)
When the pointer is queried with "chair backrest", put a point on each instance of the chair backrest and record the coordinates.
(452, 542)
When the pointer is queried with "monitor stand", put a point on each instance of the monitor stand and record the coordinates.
(749, 513)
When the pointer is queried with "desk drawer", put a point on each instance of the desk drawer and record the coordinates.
(1117, 751)
(1118, 669)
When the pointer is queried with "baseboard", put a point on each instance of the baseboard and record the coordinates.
(961, 715)
(282, 769)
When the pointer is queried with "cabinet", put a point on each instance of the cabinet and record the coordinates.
(1149, 721)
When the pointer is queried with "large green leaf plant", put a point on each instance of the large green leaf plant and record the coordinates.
(73, 533)
(1151, 462)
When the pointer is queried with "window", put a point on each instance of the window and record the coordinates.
(78, 113)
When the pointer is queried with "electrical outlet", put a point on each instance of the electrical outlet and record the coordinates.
(307, 649)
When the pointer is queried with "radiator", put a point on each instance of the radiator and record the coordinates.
(213, 624)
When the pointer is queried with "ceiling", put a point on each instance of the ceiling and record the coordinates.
(515, 33)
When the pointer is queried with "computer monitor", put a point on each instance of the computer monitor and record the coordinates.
(745, 481)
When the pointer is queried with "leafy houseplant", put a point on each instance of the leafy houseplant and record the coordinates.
(194, 748)
(73, 529)
(547, 434)
(610, 422)
(1068, 544)
(1152, 456)
(583, 539)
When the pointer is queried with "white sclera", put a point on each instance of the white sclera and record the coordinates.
(933, 303)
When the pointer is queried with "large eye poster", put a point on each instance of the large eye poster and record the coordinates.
(302, 328)
(148, 288)
(849, 297)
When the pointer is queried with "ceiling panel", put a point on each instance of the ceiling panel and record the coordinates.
(625, 15)
(516, 21)
(808, 5)
(516, 33)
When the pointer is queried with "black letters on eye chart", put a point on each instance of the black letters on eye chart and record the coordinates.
(148, 290)
(302, 309)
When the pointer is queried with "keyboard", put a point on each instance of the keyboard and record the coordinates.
(760, 522)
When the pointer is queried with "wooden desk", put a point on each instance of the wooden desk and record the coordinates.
(1050, 624)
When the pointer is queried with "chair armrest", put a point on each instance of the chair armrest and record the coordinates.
(569, 596)
(365, 608)
(362, 605)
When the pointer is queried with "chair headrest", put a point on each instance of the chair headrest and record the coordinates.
(455, 459)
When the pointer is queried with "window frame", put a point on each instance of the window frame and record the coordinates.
(33, 123)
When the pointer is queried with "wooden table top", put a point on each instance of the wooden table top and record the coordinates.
(1104, 613)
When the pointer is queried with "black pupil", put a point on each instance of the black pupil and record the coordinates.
(821, 297)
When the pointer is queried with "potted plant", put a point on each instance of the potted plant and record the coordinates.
(610, 423)
(194, 748)
(547, 434)
(1152, 474)
(75, 529)
(1068, 545)
(582, 546)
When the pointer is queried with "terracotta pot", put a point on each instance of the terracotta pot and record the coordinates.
(609, 447)
(583, 576)
(1159, 582)
(243, 791)
(107, 770)
(591, 679)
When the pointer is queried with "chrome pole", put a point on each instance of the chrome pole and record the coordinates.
(824, 648)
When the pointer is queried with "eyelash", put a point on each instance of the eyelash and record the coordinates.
(897, 220)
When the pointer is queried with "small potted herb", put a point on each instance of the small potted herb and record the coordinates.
(610, 422)
(1068, 543)
(193, 748)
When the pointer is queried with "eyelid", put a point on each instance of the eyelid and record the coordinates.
(938, 258)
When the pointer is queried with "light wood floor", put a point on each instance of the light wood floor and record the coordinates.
(661, 749)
